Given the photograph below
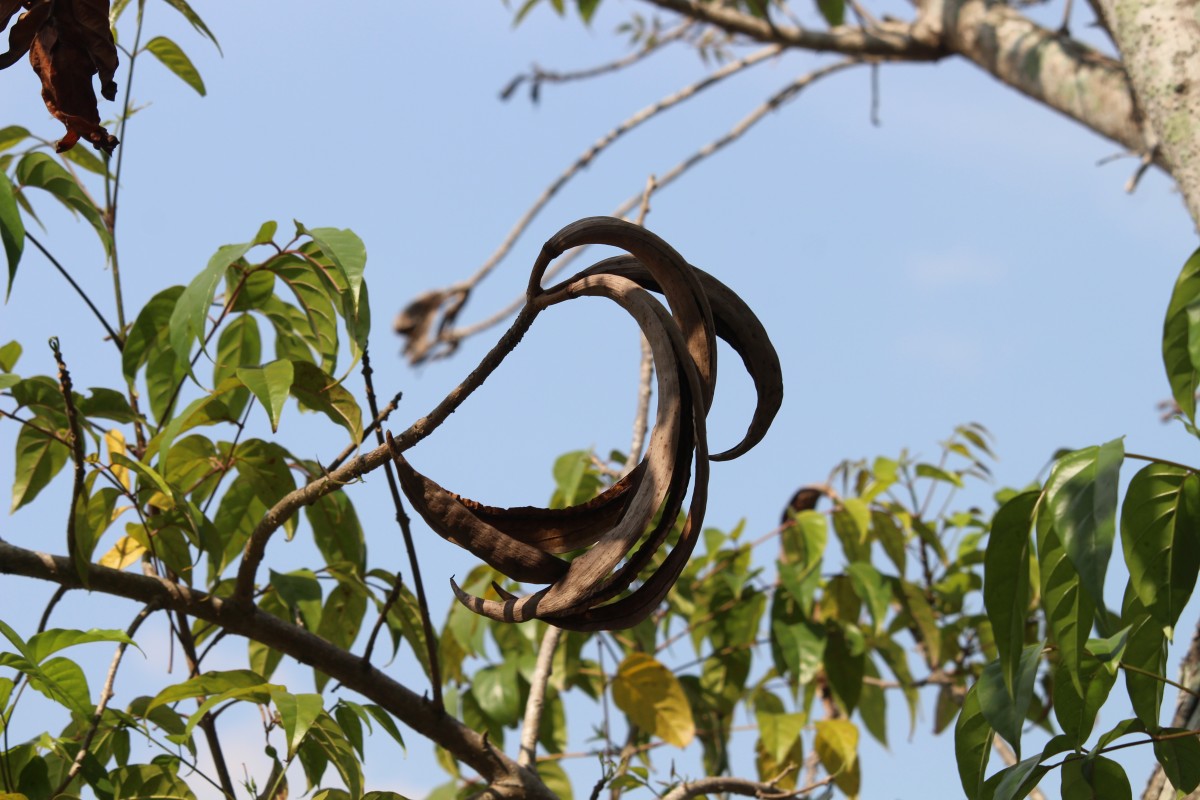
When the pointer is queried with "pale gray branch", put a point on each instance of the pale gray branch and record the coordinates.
(537, 696)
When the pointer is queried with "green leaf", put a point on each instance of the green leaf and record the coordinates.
(149, 331)
(1020, 779)
(1122, 728)
(191, 310)
(149, 781)
(1069, 610)
(587, 9)
(12, 230)
(1178, 333)
(174, 59)
(298, 712)
(1006, 591)
(836, 745)
(44, 644)
(873, 589)
(1180, 758)
(1076, 712)
(39, 458)
(62, 681)
(844, 666)
(1005, 712)
(494, 688)
(1146, 651)
(301, 591)
(191, 16)
(266, 232)
(82, 157)
(972, 744)
(208, 683)
(40, 171)
(556, 780)
(11, 135)
(387, 723)
(1081, 494)
(346, 251)
(939, 474)
(915, 603)
(316, 390)
(650, 695)
(315, 322)
(239, 345)
(804, 541)
(9, 355)
(1159, 520)
(1095, 778)
(271, 384)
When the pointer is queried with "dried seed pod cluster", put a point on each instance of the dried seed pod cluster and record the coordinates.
(590, 591)
(68, 42)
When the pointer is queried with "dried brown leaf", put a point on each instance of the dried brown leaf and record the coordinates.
(21, 37)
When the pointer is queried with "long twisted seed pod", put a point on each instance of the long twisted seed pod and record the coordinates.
(593, 591)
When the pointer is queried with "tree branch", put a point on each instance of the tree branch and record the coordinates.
(506, 778)
(537, 696)
(890, 39)
(742, 786)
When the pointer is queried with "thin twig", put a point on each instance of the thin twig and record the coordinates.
(380, 418)
(112, 334)
(537, 696)
(75, 431)
(206, 723)
(384, 610)
(106, 694)
(453, 336)
(58, 595)
(537, 76)
(256, 545)
(435, 672)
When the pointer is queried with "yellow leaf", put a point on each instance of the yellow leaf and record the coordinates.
(837, 748)
(161, 501)
(124, 553)
(117, 512)
(652, 698)
(116, 445)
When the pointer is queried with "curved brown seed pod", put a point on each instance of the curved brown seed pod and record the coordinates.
(561, 530)
(572, 593)
(740, 328)
(454, 522)
(680, 286)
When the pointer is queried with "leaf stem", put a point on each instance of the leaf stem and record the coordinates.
(1164, 461)
(112, 334)
(1163, 678)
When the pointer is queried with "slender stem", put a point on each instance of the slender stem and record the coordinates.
(112, 334)
(1164, 461)
(207, 724)
(32, 426)
(380, 418)
(111, 216)
(435, 672)
(1157, 677)
(106, 694)
(59, 593)
(256, 545)
(393, 596)
(537, 696)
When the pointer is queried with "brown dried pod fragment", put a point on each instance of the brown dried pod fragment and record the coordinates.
(593, 590)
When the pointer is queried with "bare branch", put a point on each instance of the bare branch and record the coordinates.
(537, 696)
(889, 39)
(774, 102)
(435, 672)
(112, 334)
(538, 76)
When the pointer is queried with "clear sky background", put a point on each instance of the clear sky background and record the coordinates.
(966, 260)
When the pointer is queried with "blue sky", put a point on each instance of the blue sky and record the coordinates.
(967, 260)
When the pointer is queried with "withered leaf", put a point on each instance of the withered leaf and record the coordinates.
(68, 42)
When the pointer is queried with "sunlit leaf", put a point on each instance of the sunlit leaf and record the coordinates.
(650, 695)
(174, 59)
